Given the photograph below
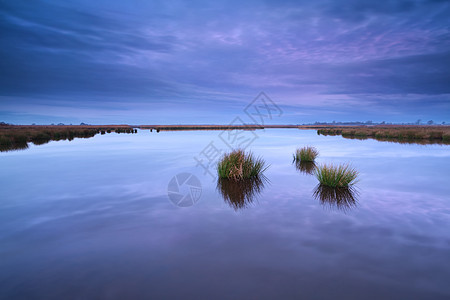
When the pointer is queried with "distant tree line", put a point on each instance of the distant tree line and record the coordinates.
(368, 123)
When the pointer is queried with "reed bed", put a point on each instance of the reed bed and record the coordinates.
(336, 176)
(239, 165)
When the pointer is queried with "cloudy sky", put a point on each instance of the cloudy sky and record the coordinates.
(203, 62)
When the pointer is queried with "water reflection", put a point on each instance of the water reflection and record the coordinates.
(240, 194)
(13, 146)
(77, 237)
(403, 141)
(307, 167)
(343, 198)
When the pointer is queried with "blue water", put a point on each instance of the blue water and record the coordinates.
(91, 219)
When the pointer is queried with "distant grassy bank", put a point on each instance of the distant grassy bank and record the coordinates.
(419, 134)
(393, 133)
(16, 137)
(212, 127)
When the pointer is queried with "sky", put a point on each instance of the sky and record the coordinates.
(204, 62)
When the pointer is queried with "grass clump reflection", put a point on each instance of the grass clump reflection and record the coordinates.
(336, 176)
(306, 154)
(342, 198)
(239, 165)
(306, 167)
(240, 194)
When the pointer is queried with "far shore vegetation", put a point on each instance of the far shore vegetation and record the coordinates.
(17, 137)
(392, 133)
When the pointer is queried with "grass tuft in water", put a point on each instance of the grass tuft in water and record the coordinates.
(239, 165)
(306, 154)
(336, 176)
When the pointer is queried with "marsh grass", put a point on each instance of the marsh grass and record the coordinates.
(306, 154)
(239, 165)
(336, 176)
(240, 194)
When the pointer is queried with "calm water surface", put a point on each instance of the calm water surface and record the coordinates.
(91, 219)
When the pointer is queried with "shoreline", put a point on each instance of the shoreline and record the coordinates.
(17, 137)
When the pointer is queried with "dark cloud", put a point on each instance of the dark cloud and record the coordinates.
(426, 74)
(56, 50)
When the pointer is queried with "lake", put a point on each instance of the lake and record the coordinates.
(109, 218)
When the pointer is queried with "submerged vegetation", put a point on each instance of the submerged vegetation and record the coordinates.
(240, 194)
(239, 165)
(336, 176)
(399, 134)
(306, 154)
(17, 137)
